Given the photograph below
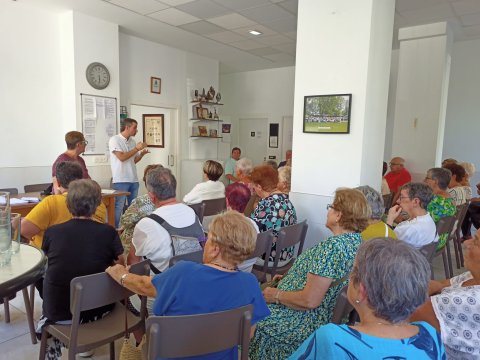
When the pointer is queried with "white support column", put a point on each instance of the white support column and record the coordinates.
(343, 46)
(421, 97)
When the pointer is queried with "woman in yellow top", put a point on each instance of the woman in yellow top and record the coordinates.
(376, 227)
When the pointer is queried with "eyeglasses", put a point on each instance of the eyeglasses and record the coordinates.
(84, 142)
(330, 206)
(391, 164)
(403, 197)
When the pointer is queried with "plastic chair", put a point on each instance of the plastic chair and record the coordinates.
(12, 191)
(199, 210)
(36, 187)
(214, 206)
(445, 226)
(343, 309)
(196, 256)
(182, 336)
(263, 246)
(90, 292)
(457, 234)
(288, 236)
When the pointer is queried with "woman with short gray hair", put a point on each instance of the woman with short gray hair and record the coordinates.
(389, 281)
(441, 204)
(376, 227)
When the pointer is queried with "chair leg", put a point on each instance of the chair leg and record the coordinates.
(32, 296)
(457, 255)
(445, 264)
(449, 260)
(112, 351)
(7, 309)
(43, 345)
(28, 309)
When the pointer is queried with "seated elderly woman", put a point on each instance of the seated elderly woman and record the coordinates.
(244, 169)
(459, 193)
(216, 285)
(237, 196)
(211, 188)
(78, 247)
(138, 209)
(274, 210)
(305, 296)
(441, 204)
(376, 227)
(383, 331)
(454, 307)
(419, 230)
(284, 179)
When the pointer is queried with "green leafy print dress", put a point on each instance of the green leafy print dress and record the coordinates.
(440, 207)
(280, 334)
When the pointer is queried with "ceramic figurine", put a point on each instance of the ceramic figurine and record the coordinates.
(219, 97)
(196, 95)
(215, 116)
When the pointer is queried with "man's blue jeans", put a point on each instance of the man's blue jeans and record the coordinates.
(132, 188)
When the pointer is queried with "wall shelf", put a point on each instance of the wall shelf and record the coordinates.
(205, 137)
(206, 102)
(206, 120)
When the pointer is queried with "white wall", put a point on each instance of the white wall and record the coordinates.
(258, 94)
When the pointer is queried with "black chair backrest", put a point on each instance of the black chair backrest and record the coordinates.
(190, 335)
(462, 212)
(12, 191)
(290, 236)
(342, 307)
(214, 206)
(96, 290)
(446, 225)
(36, 187)
(387, 200)
(199, 210)
(263, 244)
(196, 256)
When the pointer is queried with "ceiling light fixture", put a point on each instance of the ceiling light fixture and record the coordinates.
(254, 32)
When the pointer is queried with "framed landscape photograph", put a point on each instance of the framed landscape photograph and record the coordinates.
(327, 114)
(153, 130)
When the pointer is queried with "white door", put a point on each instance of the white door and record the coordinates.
(165, 156)
(254, 139)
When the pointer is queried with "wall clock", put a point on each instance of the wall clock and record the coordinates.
(98, 75)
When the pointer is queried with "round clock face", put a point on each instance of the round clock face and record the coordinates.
(98, 75)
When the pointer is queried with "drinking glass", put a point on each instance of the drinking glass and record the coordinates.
(5, 228)
(16, 220)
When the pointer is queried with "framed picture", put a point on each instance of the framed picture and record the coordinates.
(327, 114)
(153, 130)
(213, 133)
(155, 85)
(202, 130)
(202, 113)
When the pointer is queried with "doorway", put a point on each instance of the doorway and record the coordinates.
(253, 139)
(166, 156)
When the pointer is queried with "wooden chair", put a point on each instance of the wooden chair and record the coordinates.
(36, 187)
(457, 233)
(199, 210)
(214, 206)
(90, 292)
(196, 256)
(12, 191)
(262, 246)
(445, 226)
(190, 335)
(287, 237)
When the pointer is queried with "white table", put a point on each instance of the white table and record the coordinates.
(26, 267)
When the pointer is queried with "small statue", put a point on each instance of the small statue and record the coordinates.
(210, 115)
(211, 93)
(196, 95)
(204, 96)
(218, 97)
(215, 116)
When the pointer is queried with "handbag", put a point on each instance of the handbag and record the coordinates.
(128, 350)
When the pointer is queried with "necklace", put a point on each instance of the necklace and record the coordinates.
(225, 267)
(382, 323)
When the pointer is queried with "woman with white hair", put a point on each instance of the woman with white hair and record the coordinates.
(389, 280)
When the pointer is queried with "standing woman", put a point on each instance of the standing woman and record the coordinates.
(305, 296)
(274, 210)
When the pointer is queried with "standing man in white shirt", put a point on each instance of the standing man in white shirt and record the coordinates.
(124, 154)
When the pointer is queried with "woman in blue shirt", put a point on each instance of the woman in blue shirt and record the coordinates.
(388, 282)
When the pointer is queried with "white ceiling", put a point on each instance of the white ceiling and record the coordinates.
(219, 28)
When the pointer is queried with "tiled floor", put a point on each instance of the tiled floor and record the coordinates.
(15, 343)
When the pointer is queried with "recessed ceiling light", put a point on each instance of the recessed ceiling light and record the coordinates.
(254, 32)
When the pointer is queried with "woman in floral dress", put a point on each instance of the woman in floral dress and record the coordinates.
(274, 210)
(306, 295)
(442, 204)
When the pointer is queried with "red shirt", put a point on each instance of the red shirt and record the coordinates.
(396, 180)
(65, 157)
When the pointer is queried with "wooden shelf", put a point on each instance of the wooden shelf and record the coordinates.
(206, 137)
(207, 120)
(205, 102)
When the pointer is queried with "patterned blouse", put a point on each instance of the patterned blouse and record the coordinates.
(280, 334)
(140, 207)
(275, 212)
(440, 207)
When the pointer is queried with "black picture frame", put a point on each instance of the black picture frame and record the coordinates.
(327, 114)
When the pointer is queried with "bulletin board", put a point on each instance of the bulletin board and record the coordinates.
(99, 122)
